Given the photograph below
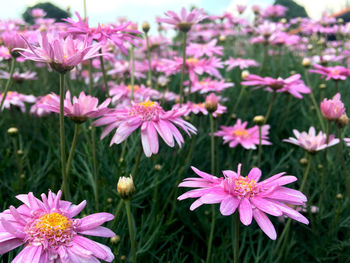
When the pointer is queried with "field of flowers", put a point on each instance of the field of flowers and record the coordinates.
(227, 142)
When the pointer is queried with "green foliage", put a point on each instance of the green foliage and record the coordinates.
(51, 10)
(294, 9)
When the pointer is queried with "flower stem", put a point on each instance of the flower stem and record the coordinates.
(104, 74)
(131, 230)
(94, 163)
(238, 99)
(236, 252)
(149, 77)
(341, 156)
(132, 79)
(269, 109)
(183, 68)
(318, 111)
(260, 146)
(264, 59)
(306, 174)
(72, 148)
(211, 234)
(8, 83)
(65, 186)
(137, 162)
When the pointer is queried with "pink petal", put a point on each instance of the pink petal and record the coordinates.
(265, 224)
(245, 212)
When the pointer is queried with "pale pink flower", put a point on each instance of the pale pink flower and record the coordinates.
(210, 85)
(240, 62)
(121, 93)
(240, 134)
(347, 141)
(50, 233)
(332, 109)
(12, 40)
(252, 198)
(274, 11)
(335, 73)
(152, 119)
(15, 99)
(312, 142)
(38, 111)
(38, 12)
(209, 49)
(82, 108)
(199, 108)
(4, 53)
(18, 77)
(62, 54)
(241, 8)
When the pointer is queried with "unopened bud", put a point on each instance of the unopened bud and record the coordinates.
(320, 166)
(245, 74)
(293, 72)
(259, 120)
(158, 167)
(342, 121)
(109, 200)
(123, 258)
(115, 239)
(233, 116)
(125, 187)
(340, 20)
(222, 38)
(145, 27)
(310, 47)
(303, 161)
(322, 86)
(22, 176)
(283, 21)
(12, 131)
(306, 62)
(211, 103)
(20, 152)
(339, 196)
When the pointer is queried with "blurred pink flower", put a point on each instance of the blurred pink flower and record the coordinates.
(38, 12)
(274, 11)
(312, 142)
(241, 8)
(210, 85)
(82, 108)
(122, 93)
(332, 109)
(12, 40)
(347, 141)
(199, 108)
(335, 73)
(239, 134)
(38, 111)
(252, 198)
(152, 119)
(18, 77)
(209, 49)
(240, 62)
(15, 99)
(50, 233)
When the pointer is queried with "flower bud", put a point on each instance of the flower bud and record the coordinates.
(125, 187)
(340, 20)
(259, 120)
(303, 161)
(211, 103)
(322, 86)
(115, 239)
(342, 121)
(19, 152)
(222, 38)
(306, 62)
(145, 27)
(283, 21)
(245, 74)
(158, 167)
(233, 116)
(12, 131)
(339, 196)
(309, 47)
(123, 258)
(332, 109)
(109, 200)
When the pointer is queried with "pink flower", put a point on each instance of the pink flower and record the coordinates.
(152, 119)
(240, 62)
(62, 54)
(312, 142)
(347, 141)
(183, 18)
(38, 12)
(15, 99)
(239, 134)
(274, 11)
(50, 233)
(122, 93)
(332, 109)
(12, 40)
(211, 102)
(38, 111)
(199, 108)
(83, 107)
(18, 77)
(293, 85)
(209, 49)
(252, 198)
(241, 8)
(335, 73)
(210, 85)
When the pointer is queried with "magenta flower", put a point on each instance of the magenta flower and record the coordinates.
(12, 40)
(49, 232)
(240, 62)
(15, 99)
(62, 54)
(209, 49)
(184, 18)
(38, 12)
(38, 111)
(252, 198)
(18, 77)
(293, 85)
(210, 85)
(83, 107)
(122, 93)
(239, 134)
(335, 73)
(332, 109)
(312, 142)
(152, 119)
(199, 108)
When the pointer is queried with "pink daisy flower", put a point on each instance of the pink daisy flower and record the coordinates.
(252, 198)
(199, 108)
(209, 49)
(82, 108)
(332, 109)
(312, 142)
(347, 141)
(121, 93)
(239, 134)
(240, 62)
(292, 85)
(39, 111)
(335, 73)
(152, 119)
(210, 85)
(15, 99)
(49, 232)
(18, 77)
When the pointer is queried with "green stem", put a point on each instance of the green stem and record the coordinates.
(8, 83)
(336, 82)
(269, 109)
(212, 144)
(341, 156)
(238, 99)
(104, 74)
(137, 162)
(131, 230)
(183, 67)
(211, 234)
(91, 79)
(260, 146)
(132, 79)
(264, 59)
(94, 161)
(85, 12)
(236, 252)
(72, 148)
(149, 61)
(306, 174)
(65, 185)
(316, 106)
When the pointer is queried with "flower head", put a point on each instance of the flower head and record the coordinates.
(15, 99)
(50, 232)
(332, 109)
(312, 142)
(252, 198)
(335, 73)
(239, 134)
(152, 119)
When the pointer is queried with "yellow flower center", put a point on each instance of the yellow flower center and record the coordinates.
(240, 133)
(335, 72)
(192, 61)
(136, 87)
(147, 104)
(245, 183)
(200, 105)
(53, 223)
